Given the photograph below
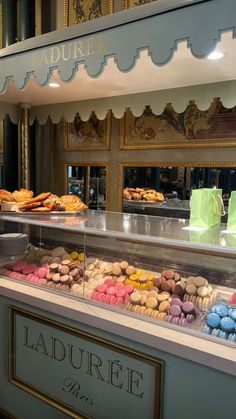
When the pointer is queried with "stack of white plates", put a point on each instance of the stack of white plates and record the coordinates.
(13, 246)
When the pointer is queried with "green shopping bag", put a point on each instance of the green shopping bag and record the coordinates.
(206, 207)
(209, 236)
(231, 222)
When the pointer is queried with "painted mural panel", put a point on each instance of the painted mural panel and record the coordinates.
(79, 11)
(191, 128)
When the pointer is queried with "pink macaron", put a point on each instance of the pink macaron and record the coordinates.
(121, 293)
(107, 299)
(112, 299)
(42, 272)
(19, 266)
(102, 288)
(101, 297)
(109, 281)
(29, 269)
(111, 291)
(119, 285)
(119, 301)
(129, 288)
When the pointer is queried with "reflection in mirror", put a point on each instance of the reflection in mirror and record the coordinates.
(175, 183)
(88, 182)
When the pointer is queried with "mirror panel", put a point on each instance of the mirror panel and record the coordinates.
(88, 181)
(175, 183)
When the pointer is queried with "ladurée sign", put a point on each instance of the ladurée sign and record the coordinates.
(81, 374)
(89, 46)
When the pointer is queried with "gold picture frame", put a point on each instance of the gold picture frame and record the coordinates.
(91, 135)
(90, 164)
(75, 12)
(123, 165)
(193, 128)
(128, 4)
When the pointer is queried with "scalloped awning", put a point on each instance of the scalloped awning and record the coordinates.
(108, 62)
(179, 98)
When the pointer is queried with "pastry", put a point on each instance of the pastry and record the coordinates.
(39, 198)
(30, 206)
(6, 196)
(22, 195)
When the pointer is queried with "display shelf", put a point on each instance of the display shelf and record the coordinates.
(212, 353)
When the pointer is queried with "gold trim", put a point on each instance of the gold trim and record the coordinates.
(187, 144)
(25, 151)
(66, 11)
(122, 165)
(156, 363)
(105, 147)
(86, 164)
(125, 4)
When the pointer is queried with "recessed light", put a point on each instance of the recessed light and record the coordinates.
(54, 85)
(215, 55)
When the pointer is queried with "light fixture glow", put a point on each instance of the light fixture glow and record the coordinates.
(53, 84)
(215, 55)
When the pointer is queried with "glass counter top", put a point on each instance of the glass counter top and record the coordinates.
(167, 232)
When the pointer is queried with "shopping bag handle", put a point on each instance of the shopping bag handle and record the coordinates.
(220, 210)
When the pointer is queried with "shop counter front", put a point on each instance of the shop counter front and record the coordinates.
(106, 314)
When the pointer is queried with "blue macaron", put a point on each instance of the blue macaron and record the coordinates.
(227, 324)
(232, 337)
(216, 332)
(206, 329)
(232, 313)
(223, 334)
(213, 320)
(221, 310)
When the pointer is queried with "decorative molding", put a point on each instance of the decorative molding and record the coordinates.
(122, 165)
(140, 35)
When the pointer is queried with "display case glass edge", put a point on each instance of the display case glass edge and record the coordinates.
(87, 164)
(123, 165)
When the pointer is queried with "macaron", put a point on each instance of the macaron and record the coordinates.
(227, 324)
(175, 311)
(213, 320)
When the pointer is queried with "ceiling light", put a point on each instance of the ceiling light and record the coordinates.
(215, 55)
(54, 85)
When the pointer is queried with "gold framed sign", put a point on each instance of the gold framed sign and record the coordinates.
(128, 4)
(91, 135)
(79, 11)
(85, 374)
(192, 128)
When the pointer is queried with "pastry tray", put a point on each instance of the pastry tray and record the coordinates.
(45, 214)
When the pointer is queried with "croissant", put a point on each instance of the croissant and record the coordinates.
(22, 195)
(6, 196)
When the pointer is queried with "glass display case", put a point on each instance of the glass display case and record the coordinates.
(154, 268)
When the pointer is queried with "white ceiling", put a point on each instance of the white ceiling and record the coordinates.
(183, 70)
